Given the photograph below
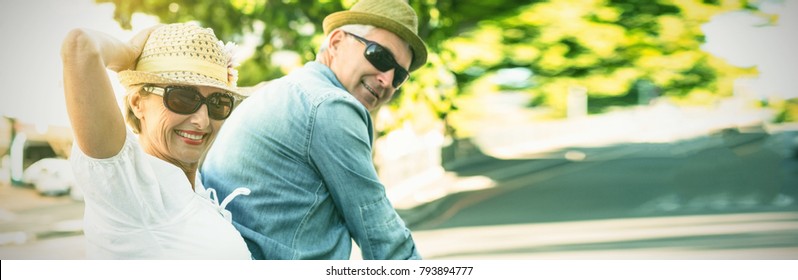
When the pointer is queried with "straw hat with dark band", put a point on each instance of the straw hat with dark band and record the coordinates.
(184, 54)
(393, 15)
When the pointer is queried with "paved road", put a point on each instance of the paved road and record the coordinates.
(727, 195)
(33, 226)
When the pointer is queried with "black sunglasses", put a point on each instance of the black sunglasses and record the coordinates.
(186, 100)
(383, 60)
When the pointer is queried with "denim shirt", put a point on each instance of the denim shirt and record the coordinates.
(303, 145)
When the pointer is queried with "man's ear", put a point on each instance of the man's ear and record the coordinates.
(336, 39)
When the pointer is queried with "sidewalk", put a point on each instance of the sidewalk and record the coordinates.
(33, 226)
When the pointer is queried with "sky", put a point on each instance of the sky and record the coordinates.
(32, 32)
(745, 40)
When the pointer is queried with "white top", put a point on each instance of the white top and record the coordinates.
(141, 207)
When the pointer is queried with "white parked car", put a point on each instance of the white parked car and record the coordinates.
(50, 176)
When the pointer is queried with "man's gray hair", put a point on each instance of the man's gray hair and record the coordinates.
(357, 29)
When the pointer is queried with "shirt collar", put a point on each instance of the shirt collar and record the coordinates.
(325, 72)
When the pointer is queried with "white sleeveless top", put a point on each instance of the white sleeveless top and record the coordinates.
(141, 207)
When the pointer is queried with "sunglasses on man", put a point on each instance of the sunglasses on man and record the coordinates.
(383, 60)
(186, 100)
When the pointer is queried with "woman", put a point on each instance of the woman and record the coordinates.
(143, 197)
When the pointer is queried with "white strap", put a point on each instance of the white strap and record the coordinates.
(211, 194)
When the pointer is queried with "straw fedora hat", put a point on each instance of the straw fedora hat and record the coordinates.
(184, 54)
(393, 15)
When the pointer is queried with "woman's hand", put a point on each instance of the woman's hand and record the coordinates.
(128, 54)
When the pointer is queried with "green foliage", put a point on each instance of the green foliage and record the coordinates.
(295, 26)
(285, 25)
(606, 46)
(425, 99)
(786, 110)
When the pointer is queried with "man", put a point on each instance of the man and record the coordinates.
(303, 144)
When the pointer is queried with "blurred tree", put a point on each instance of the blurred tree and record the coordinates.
(605, 46)
(280, 24)
(292, 28)
(613, 48)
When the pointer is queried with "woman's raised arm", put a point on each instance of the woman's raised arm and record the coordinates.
(97, 122)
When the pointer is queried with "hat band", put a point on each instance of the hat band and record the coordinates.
(175, 64)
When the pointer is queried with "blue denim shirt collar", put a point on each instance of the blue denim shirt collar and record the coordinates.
(325, 71)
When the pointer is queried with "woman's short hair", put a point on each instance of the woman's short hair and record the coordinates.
(133, 121)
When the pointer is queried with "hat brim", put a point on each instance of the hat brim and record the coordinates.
(132, 77)
(342, 18)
